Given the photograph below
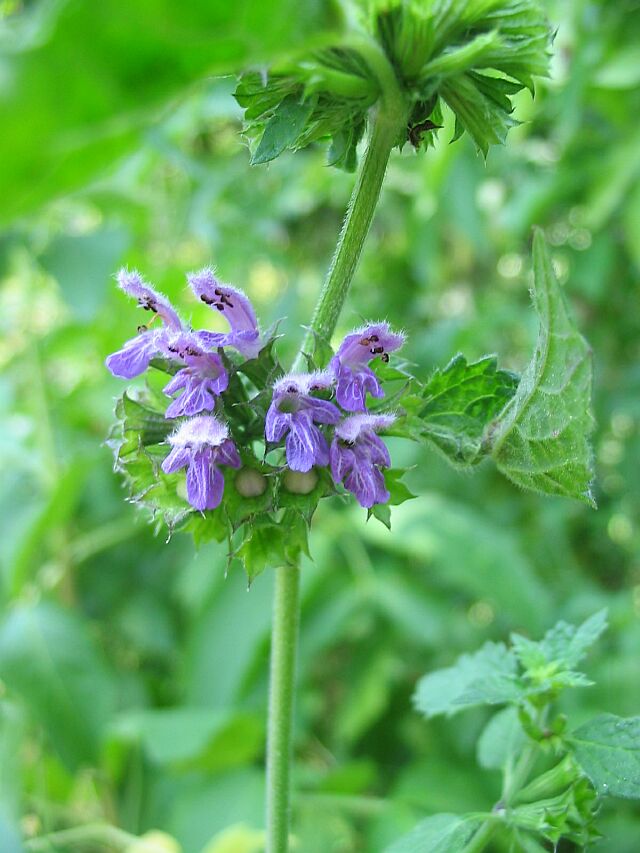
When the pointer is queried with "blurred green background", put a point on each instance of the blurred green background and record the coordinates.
(133, 673)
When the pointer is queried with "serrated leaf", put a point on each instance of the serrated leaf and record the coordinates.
(441, 833)
(263, 547)
(283, 129)
(489, 676)
(608, 750)
(461, 400)
(501, 740)
(564, 645)
(541, 440)
(399, 492)
(137, 442)
(479, 109)
(382, 512)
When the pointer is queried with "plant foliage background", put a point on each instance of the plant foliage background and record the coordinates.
(133, 673)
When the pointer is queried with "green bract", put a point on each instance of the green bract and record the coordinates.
(470, 56)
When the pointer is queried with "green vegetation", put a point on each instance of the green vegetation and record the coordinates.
(133, 669)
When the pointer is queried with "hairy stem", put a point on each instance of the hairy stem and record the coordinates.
(387, 123)
(482, 837)
(514, 779)
(284, 638)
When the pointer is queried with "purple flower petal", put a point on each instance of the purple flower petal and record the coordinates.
(227, 454)
(134, 357)
(367, 342)
(276, 423)
(293, 412)
(205, 483)
(322, 411)
(198, 397)
(305, 445)
(234, 305)
(357, 454)
(178, 458)
(368, 486)
(202, 380)
(201, 431)
(134, 285)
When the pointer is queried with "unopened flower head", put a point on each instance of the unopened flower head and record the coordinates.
(354, 377)
(357, 456)
(294, 413)
(201, 444)
(237, 309)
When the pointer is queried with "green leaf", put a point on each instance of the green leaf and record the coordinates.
(137, 440)
(487, 677)
(270, 543)
(189, 737)
(441, 833)
(136, 64)
(541, 440)
(563, 646)
(49, 660)
(608, 750)
(501, 740)
(481, 108)
(283, 129)
(461, 400)
(399, 492)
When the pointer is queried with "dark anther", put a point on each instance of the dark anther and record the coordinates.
(292, 389)
(147, 304)
(173, 348)
(364, 342)
(207, 299)
(374, 339)
(217, 291)
(377, 350)
(219, 306)
(192, 351)
(385, 357)
(142, 329)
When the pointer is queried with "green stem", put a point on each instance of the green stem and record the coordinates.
(387, 123)
(513, 782)
(103, 834)
(284, 638)
(482, 837)
(388, 120)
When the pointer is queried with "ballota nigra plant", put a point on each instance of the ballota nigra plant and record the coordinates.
(262, 445)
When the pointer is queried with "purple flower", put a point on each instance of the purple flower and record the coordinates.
(357, 454)
(202, 443)
(294, 412)
(234, 305)
(349, 365)
(135, 355)
(200, 381)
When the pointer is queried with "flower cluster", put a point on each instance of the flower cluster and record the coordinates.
(322, 417)
(356, 454)
(201, 441)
